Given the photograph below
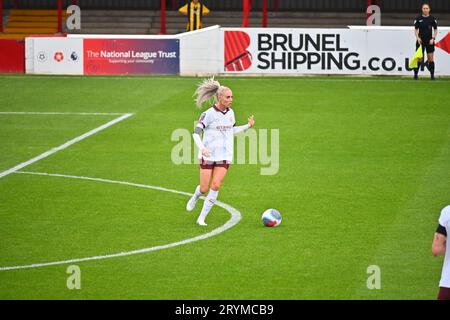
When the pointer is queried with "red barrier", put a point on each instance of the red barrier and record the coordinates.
(264, 15)
(246, 13)
(163, 17)
(12, 56)
(59, 16)
(44, 35)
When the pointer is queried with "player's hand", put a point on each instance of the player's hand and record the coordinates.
(206, 152)
(419, 40)
(251, 121)
(432, 41)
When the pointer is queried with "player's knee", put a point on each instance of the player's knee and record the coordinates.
(204, 189)
(215, 186)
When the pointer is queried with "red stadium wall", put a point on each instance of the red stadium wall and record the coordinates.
(12, 56)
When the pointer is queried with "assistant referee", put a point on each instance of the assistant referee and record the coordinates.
(426, 31)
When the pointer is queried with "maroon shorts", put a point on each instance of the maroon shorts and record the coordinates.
(206, 164)
(444, 293)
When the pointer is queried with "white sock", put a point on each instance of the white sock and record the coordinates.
(208, 204)
(197, 193)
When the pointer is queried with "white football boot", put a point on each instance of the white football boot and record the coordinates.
(191, 203)
(201, 223)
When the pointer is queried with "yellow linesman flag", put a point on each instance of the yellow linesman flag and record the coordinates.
(414, 63)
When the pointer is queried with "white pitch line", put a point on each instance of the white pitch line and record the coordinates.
(65, 145)
(62, 113)
(235, 218)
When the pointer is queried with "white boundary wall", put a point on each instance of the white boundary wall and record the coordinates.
(202, 51)
(302, 51)
(54, 56)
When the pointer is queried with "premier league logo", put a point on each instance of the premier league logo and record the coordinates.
(42, 56)
(74, 56)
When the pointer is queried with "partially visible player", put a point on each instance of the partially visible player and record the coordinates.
(216, 150)
(440, 247)
(426, 31)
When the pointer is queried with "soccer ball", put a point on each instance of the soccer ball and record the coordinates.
(271, 218)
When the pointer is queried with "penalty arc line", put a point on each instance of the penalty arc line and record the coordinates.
(235, 218)
(64, 145)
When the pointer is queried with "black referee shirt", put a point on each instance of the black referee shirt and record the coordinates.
(425, 26)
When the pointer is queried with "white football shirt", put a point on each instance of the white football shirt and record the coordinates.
(444, 220)
(218, 134)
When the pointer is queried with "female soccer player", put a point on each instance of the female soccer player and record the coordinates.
(426, 31)
(216, 149)
(440, 247)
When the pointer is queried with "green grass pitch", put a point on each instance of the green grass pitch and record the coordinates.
(364, 172)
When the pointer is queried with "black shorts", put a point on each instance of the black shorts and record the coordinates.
(426, 45)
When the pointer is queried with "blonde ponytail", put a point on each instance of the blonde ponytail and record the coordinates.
(207, 90)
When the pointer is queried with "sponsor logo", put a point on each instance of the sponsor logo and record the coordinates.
(237, 58)
(318, 52)
(74, 56)
(444, 43)
(59, 56)
(42, 56)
